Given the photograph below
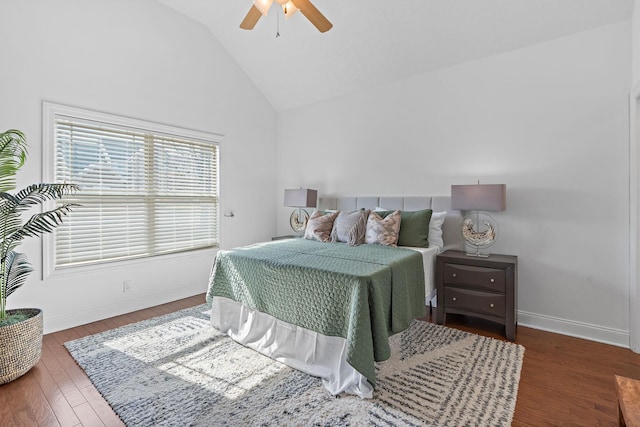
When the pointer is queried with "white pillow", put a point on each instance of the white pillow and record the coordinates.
(435, 229)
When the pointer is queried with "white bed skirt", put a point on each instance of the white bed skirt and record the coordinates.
(308, 351)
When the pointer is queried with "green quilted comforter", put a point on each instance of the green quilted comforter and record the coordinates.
(364, 293)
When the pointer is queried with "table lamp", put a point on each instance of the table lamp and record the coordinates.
(479, 229)
(300, 198)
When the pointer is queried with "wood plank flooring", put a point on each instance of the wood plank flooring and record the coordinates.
(565, 381)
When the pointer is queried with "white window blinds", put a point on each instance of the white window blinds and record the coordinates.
(143, 192)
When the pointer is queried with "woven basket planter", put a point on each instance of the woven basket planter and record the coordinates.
(21, 345)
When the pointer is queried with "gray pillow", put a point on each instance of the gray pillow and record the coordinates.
(350, 227)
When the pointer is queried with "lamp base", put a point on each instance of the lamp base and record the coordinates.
(479, 231)
(298, 220)
(478, 254)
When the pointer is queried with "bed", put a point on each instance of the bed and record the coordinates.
(328, 308)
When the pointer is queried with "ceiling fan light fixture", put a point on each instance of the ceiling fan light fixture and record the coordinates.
(289, 9)
(263, 5)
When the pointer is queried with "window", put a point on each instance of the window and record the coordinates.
(146, 189)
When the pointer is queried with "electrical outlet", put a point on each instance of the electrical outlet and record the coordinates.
(126, 286)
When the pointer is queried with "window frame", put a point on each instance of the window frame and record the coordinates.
(51, 111)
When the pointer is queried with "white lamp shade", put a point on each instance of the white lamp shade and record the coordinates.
(263, 5)
(289, 9)
(480, 197)
(300, 198)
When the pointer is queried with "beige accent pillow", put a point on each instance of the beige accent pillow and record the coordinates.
(319, 226)
(383, 231)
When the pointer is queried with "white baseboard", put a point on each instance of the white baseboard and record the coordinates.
(572, 328)
(88, 315)
(617, 337)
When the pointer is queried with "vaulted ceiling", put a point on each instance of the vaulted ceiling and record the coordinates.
(374, 42)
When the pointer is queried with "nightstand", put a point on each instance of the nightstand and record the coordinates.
(291, 236)
(481, 287)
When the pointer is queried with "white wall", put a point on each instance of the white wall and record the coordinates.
(634, 146)
(142, 60)
(635, 46)
(549, 120)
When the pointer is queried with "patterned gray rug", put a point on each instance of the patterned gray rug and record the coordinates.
(176, 370)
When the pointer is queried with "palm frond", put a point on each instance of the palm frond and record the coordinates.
(14, 267)
(8, 202)
(7, 182)
(38, 193)
(17, 271)
(40, 223)
(13, 153)
(11, 140)
(9, 224)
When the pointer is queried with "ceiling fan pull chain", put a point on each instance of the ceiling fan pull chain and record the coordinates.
(277, 25)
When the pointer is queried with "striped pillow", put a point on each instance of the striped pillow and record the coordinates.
(319, 226)
(350, 227)
(383, 231)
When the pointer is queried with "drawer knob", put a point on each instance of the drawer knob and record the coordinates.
(453, 275)
(454, 298)
(491, 305)
(493, 280)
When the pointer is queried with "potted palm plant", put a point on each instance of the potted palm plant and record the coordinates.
(21, 329)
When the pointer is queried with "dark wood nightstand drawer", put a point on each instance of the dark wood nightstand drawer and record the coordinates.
(476, 301)
(475, 277)
(485, 287)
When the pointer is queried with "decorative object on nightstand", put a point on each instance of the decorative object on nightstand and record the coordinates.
(300, 198)
(479, 229)
(481, 287)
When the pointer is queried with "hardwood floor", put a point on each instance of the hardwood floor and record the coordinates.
(565, 381)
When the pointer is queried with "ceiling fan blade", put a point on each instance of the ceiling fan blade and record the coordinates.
(313, 15)
(251, 19)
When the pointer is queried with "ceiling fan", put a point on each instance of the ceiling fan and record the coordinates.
(260, 7)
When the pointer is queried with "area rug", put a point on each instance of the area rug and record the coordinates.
(176, 370)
